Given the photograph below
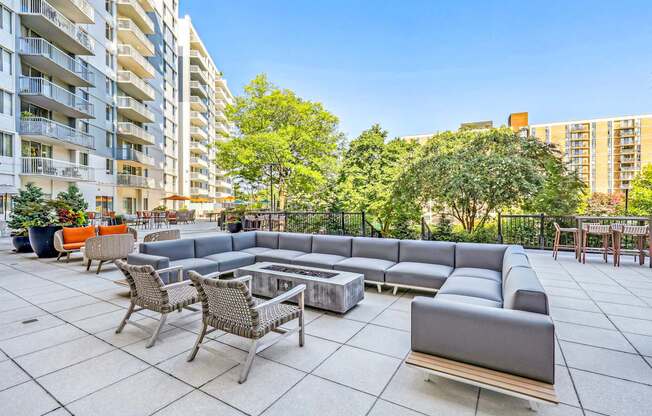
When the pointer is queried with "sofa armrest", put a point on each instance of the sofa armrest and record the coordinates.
(157, 262)
(511, 341)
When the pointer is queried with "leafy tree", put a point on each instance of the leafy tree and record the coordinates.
(73, 198)
(24, 208)
(474, 173)
(562, 192)
(601, 204)
(368, 181)
(279, 137)
(640, 193)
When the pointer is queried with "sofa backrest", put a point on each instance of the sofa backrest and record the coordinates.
(375, 248)
(338, 245)
(205, 246)
(480, 256)
(295, 241)
(433, 252)
(267, 239)
(172, 249)
(523, 291)
(243, 240)
(514, 256)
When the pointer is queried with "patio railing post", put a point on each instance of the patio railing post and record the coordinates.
(341, 223)
(542, 238)
(500, 228)
(270, 221)
(364, 229)
(423, 228)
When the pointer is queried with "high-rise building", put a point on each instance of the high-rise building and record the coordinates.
(607, 153)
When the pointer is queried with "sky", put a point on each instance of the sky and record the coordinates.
(424, 66)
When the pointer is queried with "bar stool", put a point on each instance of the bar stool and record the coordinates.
(599, 230)
(639, 233)
(556, 243)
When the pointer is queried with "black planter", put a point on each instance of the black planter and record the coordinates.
(234, 227)
(21, 244)
(42, 240)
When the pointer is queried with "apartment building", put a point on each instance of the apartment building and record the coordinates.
(607, 153)
(203, 95)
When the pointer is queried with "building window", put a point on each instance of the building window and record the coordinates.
(6, 144)
(109, 140)
(6, 103)
(6, 19)
(108, 32)
(83, 159)
(103, 203)
(108, 6)
(5, 61)
(109, 113)
(109, 167)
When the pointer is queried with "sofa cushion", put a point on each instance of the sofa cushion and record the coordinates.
(435, 252)
(172, 249)
(325, 261)
(205, 246)
(201, 266)
(481, 256)
(73, 246)
(255, 250)
(279, 256)
(296, 242)
(469, 300)
(375, 248)
(475, 272)
(243, 240)
(427, 275)
(473, 286)
(523, 291)
(332, 244)
(113, 229)
(372, 268)
(230, 260)
(514, 256)
(267, 239)
(73, 235)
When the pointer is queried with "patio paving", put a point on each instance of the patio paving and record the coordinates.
(59, 354)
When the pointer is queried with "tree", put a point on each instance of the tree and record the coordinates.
(601, 204)
(640, 193)
(73, 198)
(280, 138)
(474, 173)
(368, 180)
(24, 208)
(562, 192)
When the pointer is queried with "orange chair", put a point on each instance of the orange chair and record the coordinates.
(71, 239)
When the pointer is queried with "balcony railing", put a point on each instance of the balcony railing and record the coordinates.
(43, 9)
(198, 118)
(135, 110)
(198, 132)
(579, 127)
(198, 176)
(200, 147)
(134, 10)
(198, 161)
(626, 124)
(33, 86)
(131, 58)
(61, 169)
(135, 86)
(79, 11)
(627, 142)
(129, 32)
(198, 86)
(135, 181)
(43, 127)
(198, 104)
(79, 74)
(195, 69)
(133, 155)
(197, 57)
(198, 191)
(135, 133)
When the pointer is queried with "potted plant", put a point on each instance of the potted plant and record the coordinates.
(41, 228)
(161, 208)
(233, 224)
(21, 215)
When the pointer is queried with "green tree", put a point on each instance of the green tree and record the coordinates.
(640, 193)
(73, 198)
(279, 137)
(562, 192)
(601, 204)
(24, 208)
(474, 173)
(368, 181)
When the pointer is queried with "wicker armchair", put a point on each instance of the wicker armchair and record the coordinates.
(164, 235)
(147, 291)
(73, 247)
(227, 305)
(107, 248)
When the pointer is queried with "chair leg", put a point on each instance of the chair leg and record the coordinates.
(200, 338)
(555, 245)
(68, 257)
(379, 287)
(302, 336)
(247, 364)
(59, 256)
(152, 339)
(395, 290)
(99, 267)
(88, 265)
(120, 327)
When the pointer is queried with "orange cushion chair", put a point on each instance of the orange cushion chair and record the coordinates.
(113, 229)
(71, 239)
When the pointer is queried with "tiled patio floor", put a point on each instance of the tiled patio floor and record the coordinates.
(59, 354)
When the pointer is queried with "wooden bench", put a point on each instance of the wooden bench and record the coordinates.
(533, 391)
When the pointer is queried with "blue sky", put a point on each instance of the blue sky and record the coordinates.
(422, 66)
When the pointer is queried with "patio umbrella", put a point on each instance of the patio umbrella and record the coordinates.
(176, 198)
(229, 198)
(201, 200)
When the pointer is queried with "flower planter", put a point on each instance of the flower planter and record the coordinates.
(21, 244)
(234, 227)
(42, 240)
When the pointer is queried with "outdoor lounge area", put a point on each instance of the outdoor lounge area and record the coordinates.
(60, 354)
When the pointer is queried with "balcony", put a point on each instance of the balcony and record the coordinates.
(199, 147)
(220, 117)
(45, 57)
(134, 10)
(55, 169)
(221, 128)
(49, 131)
(133, 155)
(197, 88)
(44, 93)
(198, 162)
(626, 133)
(135, 181)
(198, 191)
(197, 58)
(198, 74)
(197, 104)
(135, 86)
(198, 119)
(50, 23)
(131, 59)
(625, 124)
(79, 11)
(135, 134)
(198, 133)
(629, 169)
(134, 110)
(579, 127)
(147, 5)
(199, 177)
(130, 33)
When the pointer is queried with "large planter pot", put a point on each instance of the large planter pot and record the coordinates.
(234, 227)
(42, 240)
(21, 244)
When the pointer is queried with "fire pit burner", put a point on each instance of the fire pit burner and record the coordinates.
(302, 272)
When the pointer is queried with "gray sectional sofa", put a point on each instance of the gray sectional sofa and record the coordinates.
(490, 308)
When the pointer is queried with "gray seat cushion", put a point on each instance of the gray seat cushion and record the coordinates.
(173, 249)
(296, 242)
(480, 256)
(332, 244)
(473, 286)
(230, 260)
(435, 252)
(201, 266)
(372, 268)
(267, 239)
(205, 246)
(375, 248)
(279, 256)
(255, 250)
(523, 291)
(469, 300)
(475, 272)
(514, 256)
(325, 261)
(427, 275)
(243, 240)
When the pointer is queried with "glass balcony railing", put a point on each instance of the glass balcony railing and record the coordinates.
(79, 11)
(129, 32)
(198, 87)
(133, 85)
(135, 133)
(200, 147)
(54, 97)
(71, 70)
(135, 181)
(43, 127)
(53, 168)
(135, 110)
(137, 63)
(134, 10)
(133, 155)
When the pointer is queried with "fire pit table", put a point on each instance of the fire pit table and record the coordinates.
(332, 290)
